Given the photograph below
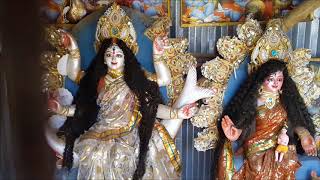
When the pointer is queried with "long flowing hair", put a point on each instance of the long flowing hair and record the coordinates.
(87, 109)
(243, 107)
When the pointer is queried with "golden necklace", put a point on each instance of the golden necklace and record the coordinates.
(114, 73)
(271, 98)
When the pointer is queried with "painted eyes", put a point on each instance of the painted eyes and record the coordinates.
(272, 80)
(117, 55)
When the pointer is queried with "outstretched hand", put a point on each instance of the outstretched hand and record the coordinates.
(309, 146)
(187, 111)
(229, 129)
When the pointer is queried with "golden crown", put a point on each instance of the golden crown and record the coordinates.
(116, 24)
(274, 44)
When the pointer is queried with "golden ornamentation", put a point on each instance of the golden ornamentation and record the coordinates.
(114, 73)
(74, 54)
(207, 139)
(316, 122)
(173, 113)
(51, 79)
(231, 48)
(116, 24)
(77, 11)
(159, 28)
(302, 133)
(249, 32)
(151, 76)
(54, 37)
(303, 75)
(210, 111)
(178, 61)
(170, 146)
(120, 132)
(208, 115)
(228, 153)
(306, 81)
(271, 98)
(217, 73)
(217, 70)
(274, 44)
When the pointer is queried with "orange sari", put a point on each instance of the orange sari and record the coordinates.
(259, 148)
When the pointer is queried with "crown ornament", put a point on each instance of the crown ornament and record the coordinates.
(115, 23)
(274, 44)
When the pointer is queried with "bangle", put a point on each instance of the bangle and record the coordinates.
(157, 58)
(65, 111)
(173, 114)
(303, 133)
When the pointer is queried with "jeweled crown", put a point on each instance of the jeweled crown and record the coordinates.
(116, 24)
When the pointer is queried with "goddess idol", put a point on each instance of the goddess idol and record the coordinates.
(114, 131)
(265, 113)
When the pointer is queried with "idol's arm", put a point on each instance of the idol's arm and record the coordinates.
(307, 141)
(70, 67)
(166, 112)
(301, 132)
(185, 112)
(162, 71)
(163, 75)
(190, 94)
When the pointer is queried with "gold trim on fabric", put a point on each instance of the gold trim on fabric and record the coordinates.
(229, 160)
(261, 146)
(120, 132)
(170, 146)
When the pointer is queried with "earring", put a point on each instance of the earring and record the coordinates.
(260, 90)
(280, 91)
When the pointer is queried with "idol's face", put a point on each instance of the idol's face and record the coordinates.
(273, 83)
(114, 58)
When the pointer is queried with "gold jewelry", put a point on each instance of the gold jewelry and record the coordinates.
(302, 133)
(157, 58)
(159, 28)
(114, 73)
(173, 113)
(271, 98)
(64, 111)
(116, 24)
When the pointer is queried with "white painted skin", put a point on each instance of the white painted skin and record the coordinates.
(114, 58)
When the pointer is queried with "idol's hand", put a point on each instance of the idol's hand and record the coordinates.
(309, 145)
(187, 111)
(159, 45)
(230, 131)
(53, 103)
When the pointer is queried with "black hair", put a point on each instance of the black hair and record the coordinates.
(242, 108)
(87, 109)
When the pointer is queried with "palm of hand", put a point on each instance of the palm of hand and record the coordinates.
(308, 145)
(230, 131)
(159, 45)
(188, 111)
